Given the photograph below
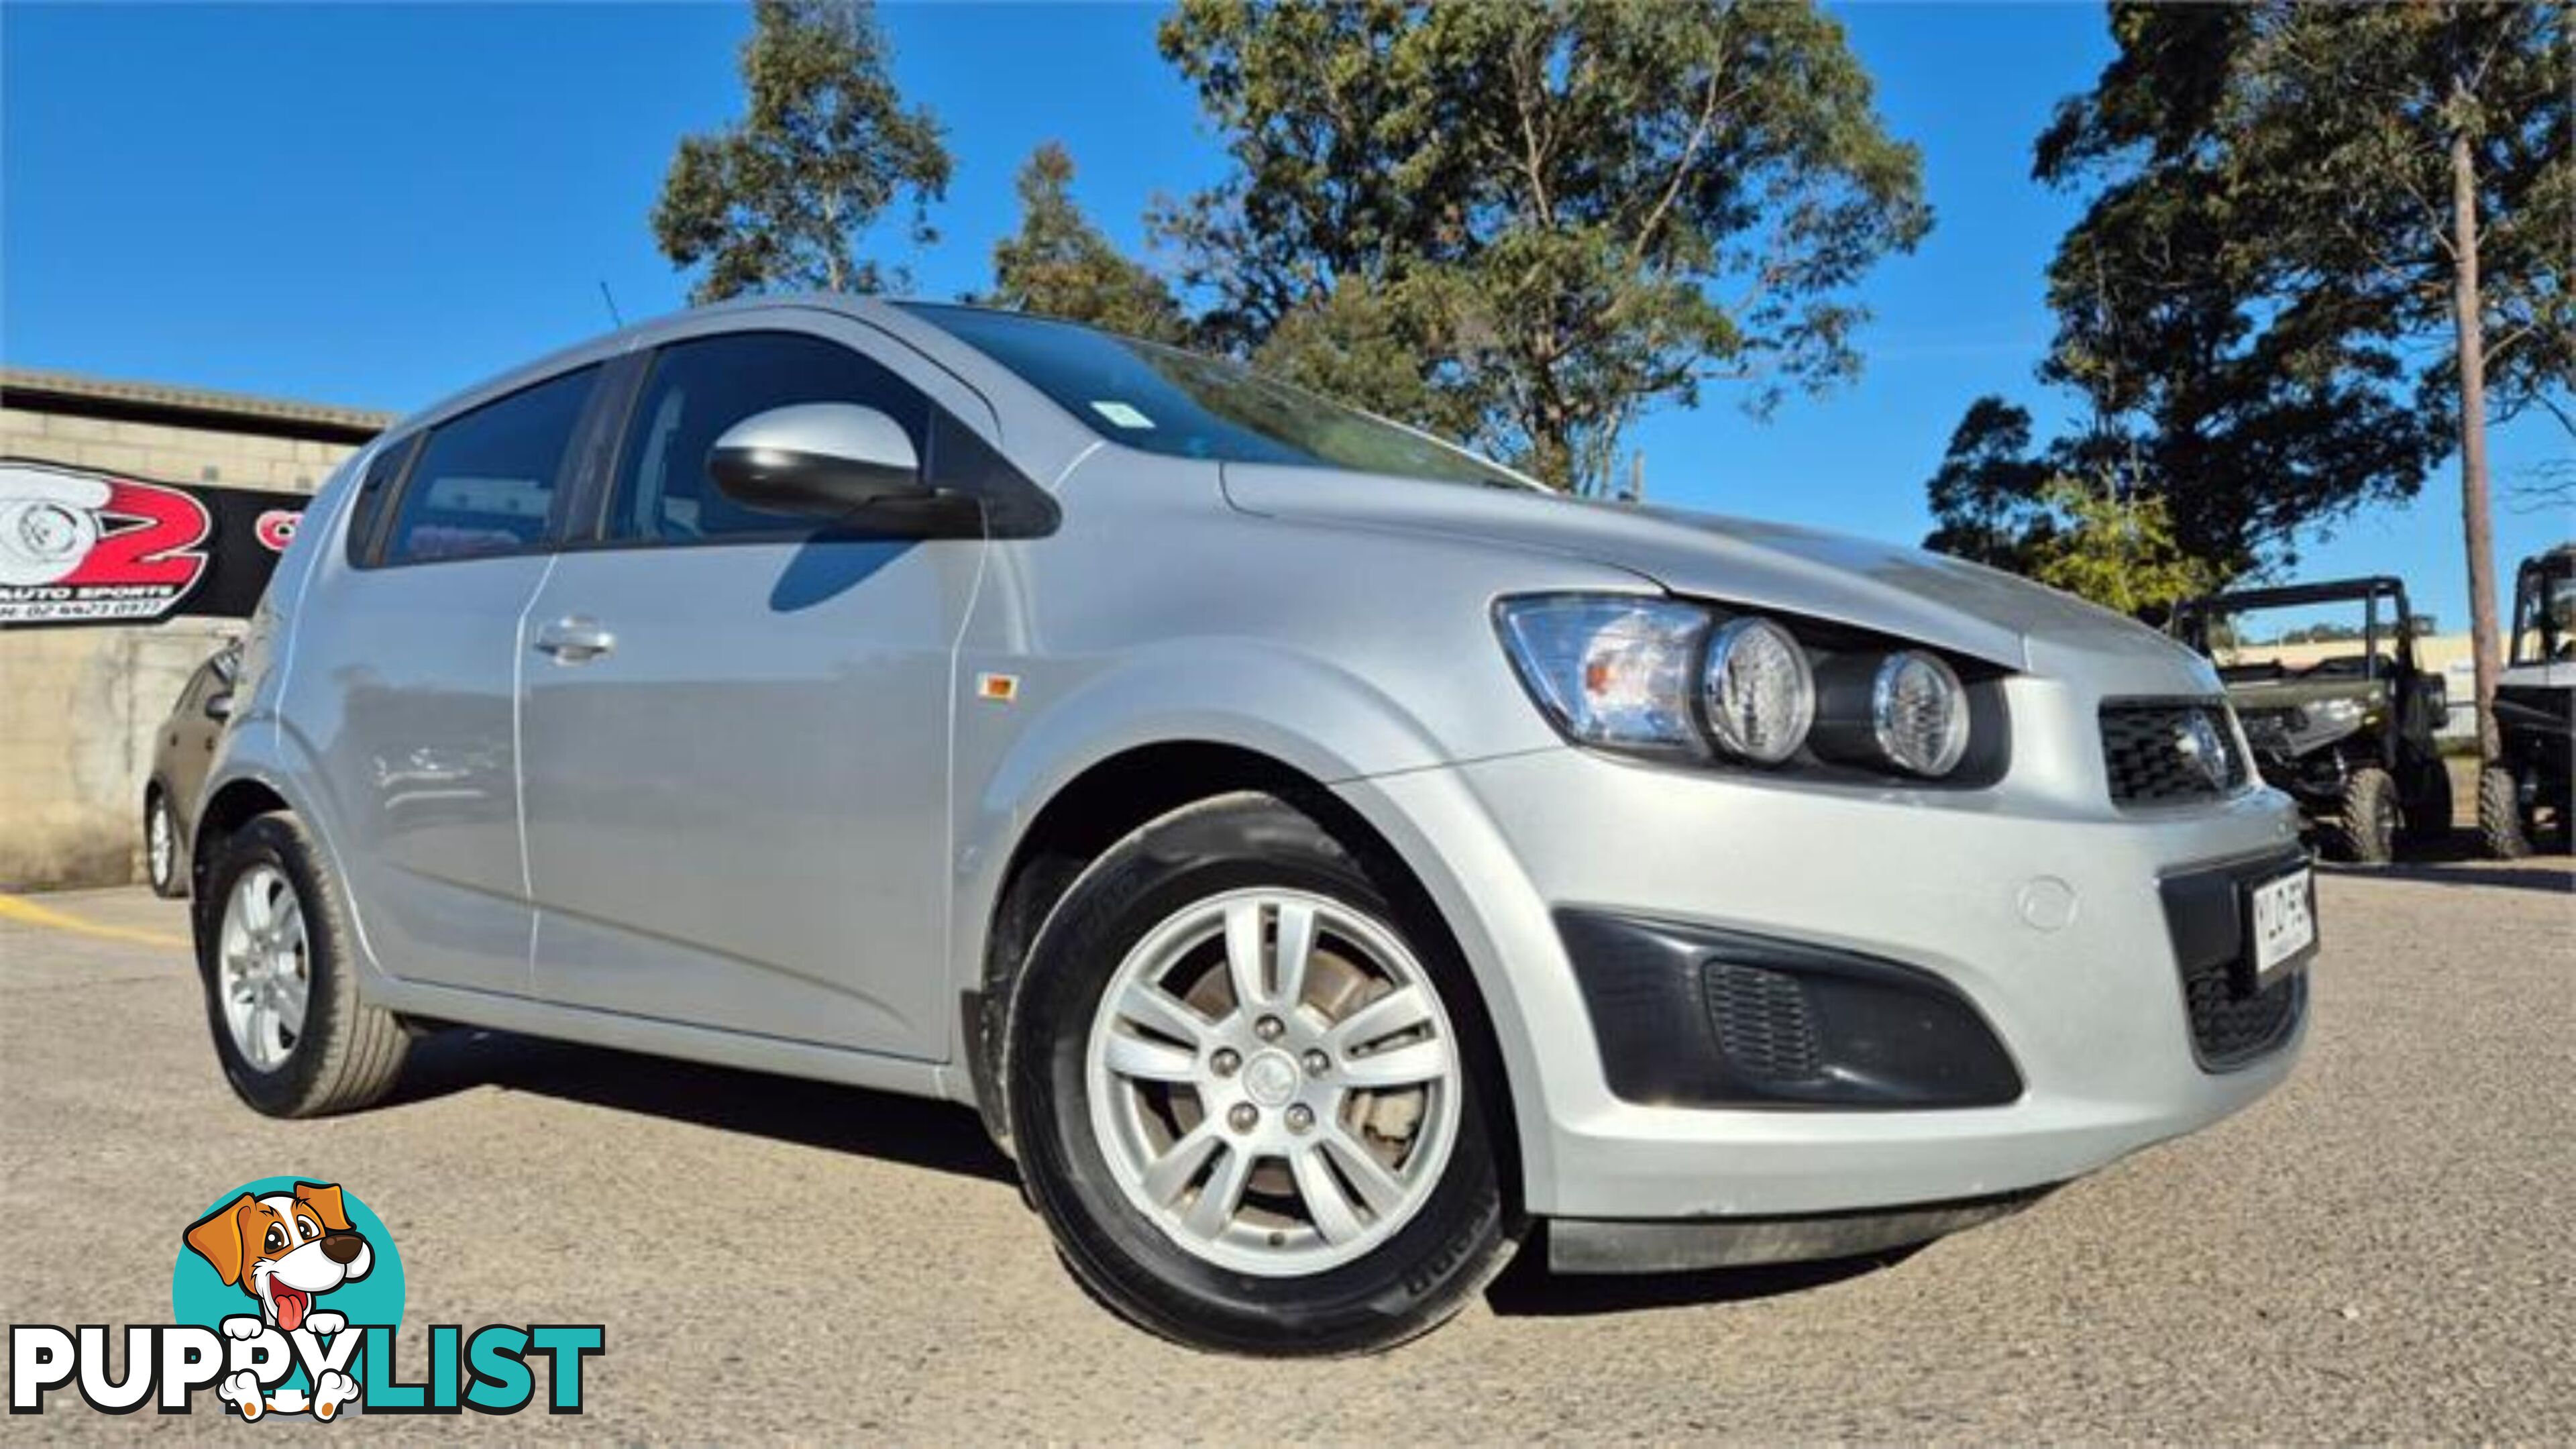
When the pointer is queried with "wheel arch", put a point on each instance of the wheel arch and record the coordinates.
(235, 803)
(1119, 793)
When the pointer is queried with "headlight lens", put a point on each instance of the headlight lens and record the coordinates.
(1670, 677)
(1758, 690)
(1919, 713)
(2332, 714)
(1610, 671)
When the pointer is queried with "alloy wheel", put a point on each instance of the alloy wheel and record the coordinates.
(1274, 1081)
(264, 966)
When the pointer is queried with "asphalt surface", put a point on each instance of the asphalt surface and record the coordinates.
(2379, 1251)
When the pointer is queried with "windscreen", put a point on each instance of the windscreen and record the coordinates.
(1164, 400)
(2317, 641)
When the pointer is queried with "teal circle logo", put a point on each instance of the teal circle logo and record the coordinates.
(291, 1254)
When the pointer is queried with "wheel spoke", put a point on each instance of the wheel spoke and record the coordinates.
(290, 996)
(1145, 1060)
(1222, 1193)
(1376, 1186)
(1173, 1171)
(1243, 954)
(1296, 944)
(1326, 1205)
(1157, 1010)
(1423, 1061)
(1399, 1010)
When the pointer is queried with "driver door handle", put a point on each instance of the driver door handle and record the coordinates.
(574, 640)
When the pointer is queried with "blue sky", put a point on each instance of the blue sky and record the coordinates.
(374, 205)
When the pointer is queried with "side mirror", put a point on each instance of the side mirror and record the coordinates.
(220, 706)
(818, 459)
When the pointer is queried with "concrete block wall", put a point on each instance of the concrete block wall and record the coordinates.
(79, 708)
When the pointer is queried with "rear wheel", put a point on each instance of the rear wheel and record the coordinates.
(2366, 829)
(275, 954)
(2500, 824)
(1249, 1091)
(161, 846)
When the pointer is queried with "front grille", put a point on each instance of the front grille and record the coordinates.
(2157, 753)
(2230, 1029)
(1762, 1023)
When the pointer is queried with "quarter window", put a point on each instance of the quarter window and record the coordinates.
(485, 482)
(700, 388)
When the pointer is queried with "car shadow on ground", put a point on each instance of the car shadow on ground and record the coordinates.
(1528, 1289)
(943, 1137)
(940, 1136)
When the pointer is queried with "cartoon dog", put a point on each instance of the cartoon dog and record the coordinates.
(285, 1250)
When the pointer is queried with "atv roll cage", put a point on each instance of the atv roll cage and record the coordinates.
(2193, 619)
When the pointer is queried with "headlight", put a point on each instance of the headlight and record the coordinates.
(2333, 714)
(1919, 712)
(1610, 671)
(1672, 678)
(1758, 690)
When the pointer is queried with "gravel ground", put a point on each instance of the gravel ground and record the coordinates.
(2380, 1251)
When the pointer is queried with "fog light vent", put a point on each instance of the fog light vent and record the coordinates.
(1763, 1024)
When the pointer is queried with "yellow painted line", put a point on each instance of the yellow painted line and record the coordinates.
(27, 912)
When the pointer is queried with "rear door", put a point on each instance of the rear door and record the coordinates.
(413, 656)
(736, 725)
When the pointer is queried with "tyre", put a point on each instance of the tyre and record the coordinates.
(276, 957)
(1253, 1092)
(161, 846)
(2366, 829)
(2500, 823)
(2427, 811)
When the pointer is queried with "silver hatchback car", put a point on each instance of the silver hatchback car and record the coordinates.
(1320, 854)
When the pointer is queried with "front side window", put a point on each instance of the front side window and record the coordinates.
(1164, 400)
(485, 482)
(699, 389)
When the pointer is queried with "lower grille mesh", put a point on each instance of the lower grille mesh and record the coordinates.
(1762, 1022)
(2230, 1029)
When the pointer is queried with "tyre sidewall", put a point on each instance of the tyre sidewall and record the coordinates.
(274, 840)
(2370, 817)
(1408, 1283)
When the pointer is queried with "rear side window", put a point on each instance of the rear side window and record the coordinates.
(485, 482)
(697, 390)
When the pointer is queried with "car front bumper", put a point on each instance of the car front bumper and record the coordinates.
(2045, 914)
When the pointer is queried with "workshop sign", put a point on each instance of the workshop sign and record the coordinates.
(83, 547)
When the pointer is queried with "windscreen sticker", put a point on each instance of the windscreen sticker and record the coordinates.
(1121, 414)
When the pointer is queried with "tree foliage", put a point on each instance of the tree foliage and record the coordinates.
(2254, 307)
(782, 197)
(1528, 222)
(1059, 263)
(2060, 518)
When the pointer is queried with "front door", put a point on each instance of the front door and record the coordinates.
(735, 728)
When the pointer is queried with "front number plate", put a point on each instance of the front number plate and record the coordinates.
(2285, 921)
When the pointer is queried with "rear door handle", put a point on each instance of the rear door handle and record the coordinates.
(574, 640)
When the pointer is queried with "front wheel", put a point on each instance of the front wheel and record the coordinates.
(2500, 823)
(1249, 1087)
(2365, 831)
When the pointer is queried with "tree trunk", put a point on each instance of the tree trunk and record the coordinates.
(2467, 314)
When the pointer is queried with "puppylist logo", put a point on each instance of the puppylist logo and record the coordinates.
(284, 1301)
